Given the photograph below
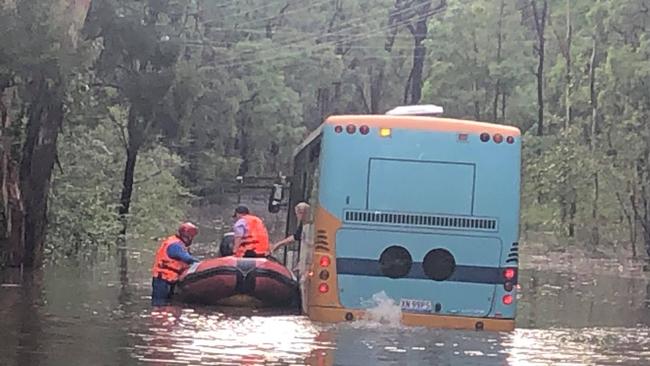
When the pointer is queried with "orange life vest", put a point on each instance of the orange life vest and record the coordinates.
(256, 237)
(165, 267)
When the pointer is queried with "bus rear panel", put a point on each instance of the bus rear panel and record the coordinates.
(424, 210)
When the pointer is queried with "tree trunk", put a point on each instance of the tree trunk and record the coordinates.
(633, 223)
(244, 150)
(399, 15)
(565, 47)
(497, 87)
(125, 204)
(629, 215)
(12, 242)
(594, 131)
(540, 89)
(337, 98)
(323, 101)
(639, 201)
(127, 182)
(376, 87)
(133, 147)
(567, 75)
(573, 210)
(595, 234)
(540, 27)
(44, 120)
(477, 104)
(420, 34)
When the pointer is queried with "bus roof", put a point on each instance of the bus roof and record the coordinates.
(411, 122)
(424, 123)
(315, 133)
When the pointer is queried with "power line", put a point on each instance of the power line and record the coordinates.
(268, 5)
(326, 43)
(318, 47)
(292, 42)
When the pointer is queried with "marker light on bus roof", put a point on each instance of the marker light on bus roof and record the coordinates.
(384, 132)
(364, 129)
(416, 110)
(497, 138)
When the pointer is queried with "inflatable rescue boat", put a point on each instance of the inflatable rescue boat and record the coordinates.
(251, 282)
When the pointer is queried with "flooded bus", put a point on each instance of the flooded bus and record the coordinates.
(420, 208)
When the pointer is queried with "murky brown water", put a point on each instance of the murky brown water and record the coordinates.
(83, 317)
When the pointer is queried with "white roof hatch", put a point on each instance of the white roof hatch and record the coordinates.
(416, 110)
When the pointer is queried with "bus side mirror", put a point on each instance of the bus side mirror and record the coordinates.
(275, 199)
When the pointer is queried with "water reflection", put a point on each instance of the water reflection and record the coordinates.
(22, 332)
(590, 346)
(81, 317)
(581, 300)
(187, 336)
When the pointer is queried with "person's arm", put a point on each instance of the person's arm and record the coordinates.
(282, 243)
(239, 230)
(236, 244)
(289, 239)
(176, 251)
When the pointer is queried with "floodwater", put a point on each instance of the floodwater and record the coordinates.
(69, 316)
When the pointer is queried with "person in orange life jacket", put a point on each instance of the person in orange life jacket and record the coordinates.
(251, 236)
(172, 258)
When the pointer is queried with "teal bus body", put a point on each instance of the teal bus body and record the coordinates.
(423, 190)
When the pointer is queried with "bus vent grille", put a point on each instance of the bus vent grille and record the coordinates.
(419, 220)
(322, 242)
(513, 256)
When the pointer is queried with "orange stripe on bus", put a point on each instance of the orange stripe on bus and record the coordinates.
(326, 225)
(424, 123)
(338, 314)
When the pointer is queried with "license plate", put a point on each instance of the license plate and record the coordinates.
(193, 268)
(417, 306)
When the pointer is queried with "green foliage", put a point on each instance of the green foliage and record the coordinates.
(84, 218)
(159, 199)
(467, 62)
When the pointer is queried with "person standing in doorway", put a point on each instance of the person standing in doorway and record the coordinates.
(302, 213)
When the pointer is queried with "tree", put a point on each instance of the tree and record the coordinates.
(536, 12)
(470, 70)
(36, 62)
(140, 59)
(415, 16)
